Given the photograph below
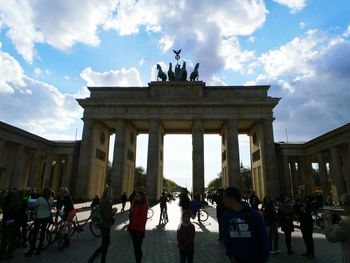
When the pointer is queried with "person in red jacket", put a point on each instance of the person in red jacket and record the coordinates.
(138, 219)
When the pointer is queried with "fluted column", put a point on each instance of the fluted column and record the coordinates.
(18, 168)
(308, 175)
(67, 175)
(198, 156)
(48, 171)
(270, 161)
(323, 175)
(154, 160)
(119, 157)
(337, 171)
(2, 153)
(294, 176)
(287, 184)
(232, 153)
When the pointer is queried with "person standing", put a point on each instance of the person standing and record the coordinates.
(184, 200)
(123, 199)
(340, 232)
(163, 207)
(244, 231)
(69, 212)
(306, 227)
(220, 210)
(254, 201)
(137, 225)
(105, 226)
(285, 220)
(185, 238)
(270, 220)
(43, 217)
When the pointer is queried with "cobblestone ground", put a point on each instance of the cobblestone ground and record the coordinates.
(160, 245)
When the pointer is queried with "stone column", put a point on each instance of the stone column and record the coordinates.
(154, 167)
(323, 175)
(347, 176)
(288, 190)
(197, 157)
(82, 186)
(48, 171)
(18, 170)
(119, 157)
(33, 175)
(232, 152)
(308, 175)
(2, 162)
(294, 176)
(337, 171)
(67, 174)
(272, 184)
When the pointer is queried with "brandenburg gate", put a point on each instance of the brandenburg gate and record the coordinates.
(175, 107)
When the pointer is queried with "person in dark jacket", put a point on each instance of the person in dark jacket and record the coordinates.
(185, 201)
(244, 231)
(285, 220)
(306, 227)
(254, 201)
(220, 210)
(105, 226)
(163, 207)
(95, 201)
(270, 220)
(185, 238)
(123, 199)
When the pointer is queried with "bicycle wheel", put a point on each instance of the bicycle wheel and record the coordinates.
(150, 213)
(203, 215)
(95, 229)
(45, 243)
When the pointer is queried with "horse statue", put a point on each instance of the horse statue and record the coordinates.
(161, 75)
(194, 75)
(178, 72)
(183, 72)
(171, 74)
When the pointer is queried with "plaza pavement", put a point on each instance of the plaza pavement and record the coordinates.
(160, 244)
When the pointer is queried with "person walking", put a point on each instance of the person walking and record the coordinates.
(43, 217)
(306, 227)
(137, 225)
(340, 232)
(254, 201)
(184, 200)
(285, 220)
(105, 226)
(66, 201)
(185, 238)
(123, 199)
(245, 235)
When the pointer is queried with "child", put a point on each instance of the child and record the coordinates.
(185, 238)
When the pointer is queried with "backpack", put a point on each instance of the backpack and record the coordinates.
(96, 214)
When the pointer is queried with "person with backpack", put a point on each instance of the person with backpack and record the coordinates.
(245, 235)
(105, 222)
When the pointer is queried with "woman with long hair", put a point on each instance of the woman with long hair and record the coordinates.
(138, 219)
(105, 226)
(43, 217)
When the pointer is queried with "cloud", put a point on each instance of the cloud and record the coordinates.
(311, 73)
(11, 74)
(294, 5)
(31, 104)
(59, 23)
(200, 33)
(37, 72)
(123, 77)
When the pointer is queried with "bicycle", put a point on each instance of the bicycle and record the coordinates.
(150, 213)
(201, 214)
(164, 217)
(30, 233)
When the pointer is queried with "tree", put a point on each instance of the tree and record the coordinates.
(216, 183)
(140, 178)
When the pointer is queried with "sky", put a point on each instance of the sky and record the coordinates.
(50, 51)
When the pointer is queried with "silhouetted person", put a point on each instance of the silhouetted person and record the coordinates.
(95, 201)
(254, 201)
(220, 210)
(123, 199)
(306, 227)
(185, 238)
(184, 200)
(285, 220)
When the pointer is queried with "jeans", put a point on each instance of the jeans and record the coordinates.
(272, 234)
(105, 238)
(186, 256)
(137, 238)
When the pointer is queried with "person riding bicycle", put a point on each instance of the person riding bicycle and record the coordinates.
(195, 206)
(65, 200)
(163, 207)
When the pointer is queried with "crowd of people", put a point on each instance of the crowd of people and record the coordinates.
(248, 227)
